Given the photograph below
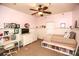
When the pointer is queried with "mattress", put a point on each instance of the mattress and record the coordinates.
(61, 40)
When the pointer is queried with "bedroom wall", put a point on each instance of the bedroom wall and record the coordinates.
(8, 15)
(76, 17)
(57, 19)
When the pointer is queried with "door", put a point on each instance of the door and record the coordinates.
(50, 26)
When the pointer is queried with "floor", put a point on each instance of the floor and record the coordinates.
(35, 49)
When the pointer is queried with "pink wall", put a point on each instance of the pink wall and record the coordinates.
(57, 19)
(8, 15)
(76, 15)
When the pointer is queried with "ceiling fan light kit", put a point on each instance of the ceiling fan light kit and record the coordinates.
(40, 13)
(41, 10)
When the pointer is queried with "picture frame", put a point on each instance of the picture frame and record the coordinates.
(43, 26)
(18, 25)
(6, 32)
(6, 25)
(16, 31)
(11, 25)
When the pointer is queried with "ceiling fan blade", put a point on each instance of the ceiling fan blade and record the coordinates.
(33, 10)
(44, 8)
(34, 13)
(47, 12)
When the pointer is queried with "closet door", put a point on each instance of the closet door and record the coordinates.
(41, 33)
(50, 26)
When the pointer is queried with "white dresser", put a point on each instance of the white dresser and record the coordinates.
(29, 37)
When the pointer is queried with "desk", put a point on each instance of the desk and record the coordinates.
(9, 41)
(12, 41)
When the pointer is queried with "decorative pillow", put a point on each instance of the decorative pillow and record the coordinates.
(72, 35)
(66, 35)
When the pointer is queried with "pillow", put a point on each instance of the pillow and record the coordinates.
(66, 35)
(72, 35)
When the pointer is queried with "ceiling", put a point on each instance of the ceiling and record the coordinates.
(53, 7)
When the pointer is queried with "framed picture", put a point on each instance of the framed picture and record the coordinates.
(6, 32)
(16, 31)
(6, 25)
(62, 25)
(43, 26)
(18, 25)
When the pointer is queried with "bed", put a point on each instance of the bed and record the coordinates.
(60, 41)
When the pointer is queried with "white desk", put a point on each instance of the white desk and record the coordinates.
(18, 38)
(11, 41)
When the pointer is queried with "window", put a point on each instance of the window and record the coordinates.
(62, 25)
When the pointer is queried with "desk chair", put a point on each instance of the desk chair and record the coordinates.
(9, 48)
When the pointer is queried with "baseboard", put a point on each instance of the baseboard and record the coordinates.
(30, 43)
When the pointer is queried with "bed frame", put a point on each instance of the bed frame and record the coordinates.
(66, 49)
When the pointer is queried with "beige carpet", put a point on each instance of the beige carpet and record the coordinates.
(35, 49)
